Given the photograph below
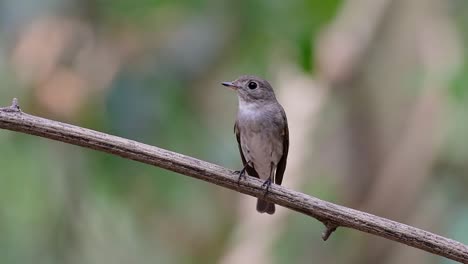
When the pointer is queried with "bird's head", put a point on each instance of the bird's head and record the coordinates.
(252, 88)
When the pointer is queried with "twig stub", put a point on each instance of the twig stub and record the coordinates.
(14, 107)
(329, 229)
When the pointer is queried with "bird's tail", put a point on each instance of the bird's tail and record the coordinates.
(265, 207)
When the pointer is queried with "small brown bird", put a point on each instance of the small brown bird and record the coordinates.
(262, 132)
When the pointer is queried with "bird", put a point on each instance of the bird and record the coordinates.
(262, 134)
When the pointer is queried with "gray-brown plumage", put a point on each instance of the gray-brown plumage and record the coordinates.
(262, 132)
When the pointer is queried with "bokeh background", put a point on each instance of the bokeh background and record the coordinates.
(376, 93)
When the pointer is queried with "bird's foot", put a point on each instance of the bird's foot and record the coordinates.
(266, 185)
(241, 175)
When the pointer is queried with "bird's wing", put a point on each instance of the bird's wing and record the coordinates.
(282, 163)
(251, 171)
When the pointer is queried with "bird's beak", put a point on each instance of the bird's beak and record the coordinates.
(230, 84)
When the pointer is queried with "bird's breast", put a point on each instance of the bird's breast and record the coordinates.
(253, 116)
(261, 138)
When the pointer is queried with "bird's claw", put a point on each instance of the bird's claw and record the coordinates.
(241, 175)
(266, 184)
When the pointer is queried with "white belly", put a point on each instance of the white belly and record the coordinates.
(262, 151)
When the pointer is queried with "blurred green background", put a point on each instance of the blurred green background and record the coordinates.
(376, 94)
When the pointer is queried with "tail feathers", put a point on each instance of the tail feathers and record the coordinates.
(265, 207)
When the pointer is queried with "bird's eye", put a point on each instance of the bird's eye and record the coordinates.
(252, 85)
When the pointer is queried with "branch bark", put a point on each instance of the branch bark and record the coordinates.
(12, 118)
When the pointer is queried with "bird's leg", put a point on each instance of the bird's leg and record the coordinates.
(242, 171)
(268, 182)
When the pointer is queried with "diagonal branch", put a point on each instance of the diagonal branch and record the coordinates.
(12, 118)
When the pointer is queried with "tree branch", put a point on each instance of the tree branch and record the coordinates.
(332, 215)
